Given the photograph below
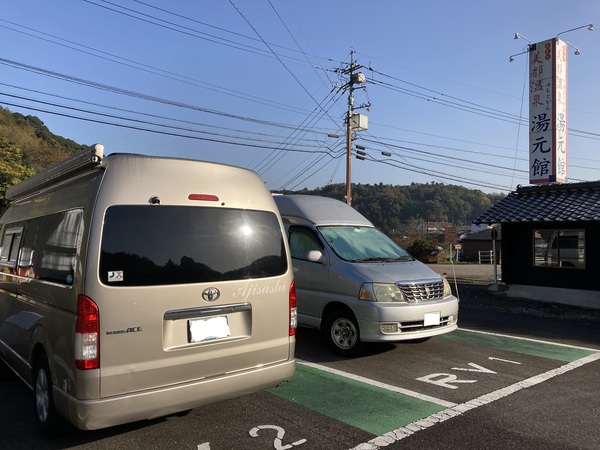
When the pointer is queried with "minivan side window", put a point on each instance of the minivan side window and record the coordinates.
(9, 252)
(303, 240)
(57, 243)
(146, 245)
(45, 247)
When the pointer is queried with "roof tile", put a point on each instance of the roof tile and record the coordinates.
(569, 202)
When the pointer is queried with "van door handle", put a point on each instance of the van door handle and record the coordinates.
(205, 311)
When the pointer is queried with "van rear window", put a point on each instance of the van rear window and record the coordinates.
(161, 245)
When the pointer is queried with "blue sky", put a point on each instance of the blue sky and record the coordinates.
(257, 84)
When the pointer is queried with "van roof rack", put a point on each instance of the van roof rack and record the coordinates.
(78, 162)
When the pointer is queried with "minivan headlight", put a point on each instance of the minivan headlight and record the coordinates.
(447, 288)
(381, 292)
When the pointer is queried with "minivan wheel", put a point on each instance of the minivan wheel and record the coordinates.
(342, 334)
(48, 421)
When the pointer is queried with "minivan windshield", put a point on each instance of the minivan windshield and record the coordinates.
(359, 243)
(145, 245)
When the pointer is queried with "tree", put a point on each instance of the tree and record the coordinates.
(12, 168)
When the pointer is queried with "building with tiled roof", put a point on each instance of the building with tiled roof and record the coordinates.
(478, 247)
(550, 242)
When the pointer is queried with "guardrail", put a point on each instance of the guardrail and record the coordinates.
(487, 257)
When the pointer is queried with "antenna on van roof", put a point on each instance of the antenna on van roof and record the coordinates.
(78, 162)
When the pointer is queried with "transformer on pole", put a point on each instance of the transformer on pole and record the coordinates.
(354, 122)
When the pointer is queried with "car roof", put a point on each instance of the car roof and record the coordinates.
(318, 210)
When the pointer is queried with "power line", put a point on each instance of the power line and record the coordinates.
(144, 122)
(467, 106)
(130, 93)
(297, 132)
(171, 26)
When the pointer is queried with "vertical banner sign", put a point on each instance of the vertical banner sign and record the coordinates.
(548, 112)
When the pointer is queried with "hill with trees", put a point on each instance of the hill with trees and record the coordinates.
(398, 209)
(27, 146)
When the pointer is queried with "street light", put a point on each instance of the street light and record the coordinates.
(511, 58)
(577, 52)
(517, 36)
(590, 27)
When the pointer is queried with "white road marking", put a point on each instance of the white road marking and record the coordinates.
(475, 368)
(411, 428)
(379, 384)
(491, 358)
(529, 339)
(444, 380)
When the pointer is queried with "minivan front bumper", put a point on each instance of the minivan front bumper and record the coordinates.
(388, 322)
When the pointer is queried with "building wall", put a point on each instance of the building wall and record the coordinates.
(518, 257)
(471, 249)
(480, 242)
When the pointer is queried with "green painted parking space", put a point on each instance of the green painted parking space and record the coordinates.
(363, 406)
(378, 410)
(518, 345)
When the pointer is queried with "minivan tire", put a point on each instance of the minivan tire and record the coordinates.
(49, 423)
(340, 330)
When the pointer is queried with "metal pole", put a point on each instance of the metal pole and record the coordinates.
(494, 261)
(349, 153)
(494, 237)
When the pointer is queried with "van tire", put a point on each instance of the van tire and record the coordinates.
(341, 332)
(49, 423)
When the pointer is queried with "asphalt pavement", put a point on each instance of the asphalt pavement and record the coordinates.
(482, 307)
(481, 273)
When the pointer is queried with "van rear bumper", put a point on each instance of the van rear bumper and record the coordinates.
(102, 413)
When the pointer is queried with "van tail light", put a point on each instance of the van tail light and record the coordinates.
(293, 309)
(87, 334)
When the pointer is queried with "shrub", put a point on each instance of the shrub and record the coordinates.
(421, 248)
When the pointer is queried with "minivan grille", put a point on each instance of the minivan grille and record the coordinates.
(418, 292)
(407, 327)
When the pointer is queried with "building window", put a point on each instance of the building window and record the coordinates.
(563, 248)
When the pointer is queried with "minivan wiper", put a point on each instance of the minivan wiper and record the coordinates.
(383, 259)
(403, 258)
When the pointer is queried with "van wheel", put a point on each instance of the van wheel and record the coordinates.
(48, 421)
(341, 332)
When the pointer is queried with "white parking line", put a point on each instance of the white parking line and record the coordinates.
(388, 387)
(521, 338)
(457, 410)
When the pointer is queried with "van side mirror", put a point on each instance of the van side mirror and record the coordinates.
(315, 256)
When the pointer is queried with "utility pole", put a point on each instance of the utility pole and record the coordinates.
(349, 133)
(354, 77)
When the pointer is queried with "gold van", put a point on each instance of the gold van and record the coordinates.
(133, 287)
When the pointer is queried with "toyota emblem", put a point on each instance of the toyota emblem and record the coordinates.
(210, 294)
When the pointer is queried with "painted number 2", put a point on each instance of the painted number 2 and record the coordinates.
(277, 443)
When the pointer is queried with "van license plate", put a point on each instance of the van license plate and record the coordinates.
(201, 330)
(431, 319)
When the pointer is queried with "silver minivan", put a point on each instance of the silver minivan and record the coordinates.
(133, 287)
(357, 285)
